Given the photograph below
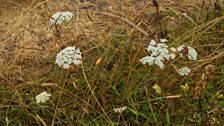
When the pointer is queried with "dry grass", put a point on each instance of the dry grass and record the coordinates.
(116, 32)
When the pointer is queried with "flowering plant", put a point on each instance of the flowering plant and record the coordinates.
(43, 97)
(160, 52)
(68, 56)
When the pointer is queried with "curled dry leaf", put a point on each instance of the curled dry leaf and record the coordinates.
(202, 84)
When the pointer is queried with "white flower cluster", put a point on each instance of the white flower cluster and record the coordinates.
(43, 97)
(68, 56)
(190, 52)
(159, 53)
(184, 71)
(120, 110)
(60, 17)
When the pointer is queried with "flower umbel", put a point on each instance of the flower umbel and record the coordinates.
(184, 71)
(68, 56)
(43, 97)
(188, 51)
(159, 52)
(60, 17)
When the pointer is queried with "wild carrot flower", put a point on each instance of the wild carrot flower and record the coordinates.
(158, 53)
(148, 59)
(43, 97)
(184, 71)
(192, 54)
(68, 56)
(60, 17)
(188, 51)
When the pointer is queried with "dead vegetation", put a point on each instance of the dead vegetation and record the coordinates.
(117, 32)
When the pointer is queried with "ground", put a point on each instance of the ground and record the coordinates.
(113, 36)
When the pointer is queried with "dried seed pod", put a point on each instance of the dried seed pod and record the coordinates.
(210, 72)
(202, 84)
(210, 69)
(200, 88)
(204, 77)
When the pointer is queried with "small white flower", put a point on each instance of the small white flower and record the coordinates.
(155, 52)
(172, 56)
(180, 48)
(68, 56)
(192, 54)
(147, 59)
(77, 57)
(152, 42)
(165, 56)
(60, 17)
(120, 110)
(184, 71)
(162, 45)
(163, 51)
(152, 48)
(43, 97)
(163, 40)
(159, 62)
(172, 49)
(159, 52)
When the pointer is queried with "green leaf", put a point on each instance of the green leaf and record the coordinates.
(134, 111)
(174, 12)
(143, 115)
(114, 89)
(96, 123)
(167, 118)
